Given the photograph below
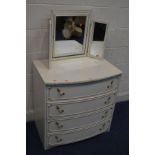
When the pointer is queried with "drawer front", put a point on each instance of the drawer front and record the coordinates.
(81, 90)
(80, 121)
(77, 135)
(78, 107)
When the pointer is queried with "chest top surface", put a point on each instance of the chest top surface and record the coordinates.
(77, 70)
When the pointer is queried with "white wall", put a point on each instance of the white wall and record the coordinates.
(115, 12)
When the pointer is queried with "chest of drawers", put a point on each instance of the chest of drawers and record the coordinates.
(72, 108)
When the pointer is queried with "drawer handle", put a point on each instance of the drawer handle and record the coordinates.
(102, 128)
(49, 99)
(108, 100)
(59, 125)
(58, 139)
(60, 92)
(105, 114)
(111, 83)
(59, 109)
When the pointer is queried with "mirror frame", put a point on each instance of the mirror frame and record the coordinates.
(52, 31)
(91, 32)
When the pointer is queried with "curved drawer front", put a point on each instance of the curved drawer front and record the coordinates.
(81, 90)
(77, 135)
(80, 121)
(78, 107)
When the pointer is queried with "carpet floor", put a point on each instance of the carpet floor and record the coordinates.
(115, 142)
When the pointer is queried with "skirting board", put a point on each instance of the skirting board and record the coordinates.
(121, 97)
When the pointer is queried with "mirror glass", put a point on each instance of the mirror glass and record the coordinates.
(69, 35)
(97, 44)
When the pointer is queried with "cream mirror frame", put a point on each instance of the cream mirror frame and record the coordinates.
(52, 33)
(97, 43)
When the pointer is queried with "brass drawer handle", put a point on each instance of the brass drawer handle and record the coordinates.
(59, 109)
(105, 114)
(108, 100)
(102, 128)
(58, 139)
(50, 99)
(111, 84)
(59, 125)
(60, 92)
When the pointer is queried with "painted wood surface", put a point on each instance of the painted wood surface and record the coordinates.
(77, 70)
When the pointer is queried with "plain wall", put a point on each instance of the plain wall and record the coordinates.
(114, 12)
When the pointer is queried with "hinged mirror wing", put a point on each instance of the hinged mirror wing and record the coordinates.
(51, 38)
(98, 32)
(68, 34)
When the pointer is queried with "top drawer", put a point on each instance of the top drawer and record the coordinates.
(81, 90)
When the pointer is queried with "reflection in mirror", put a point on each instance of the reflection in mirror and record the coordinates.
(97, 44)
(69, 35)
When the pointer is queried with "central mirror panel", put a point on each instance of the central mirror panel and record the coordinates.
(69, 36)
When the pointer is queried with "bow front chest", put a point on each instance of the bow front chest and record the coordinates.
(75, 100)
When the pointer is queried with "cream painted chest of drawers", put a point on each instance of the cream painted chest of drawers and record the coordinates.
(75, 100)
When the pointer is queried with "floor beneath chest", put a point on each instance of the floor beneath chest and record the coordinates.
(116, 142)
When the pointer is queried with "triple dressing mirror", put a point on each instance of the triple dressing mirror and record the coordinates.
(75, 34)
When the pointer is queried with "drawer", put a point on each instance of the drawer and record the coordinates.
(81, 90)
(80, 106)
(80, 120)
(79, 134)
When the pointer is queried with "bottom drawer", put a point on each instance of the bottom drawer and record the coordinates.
(79, 134)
